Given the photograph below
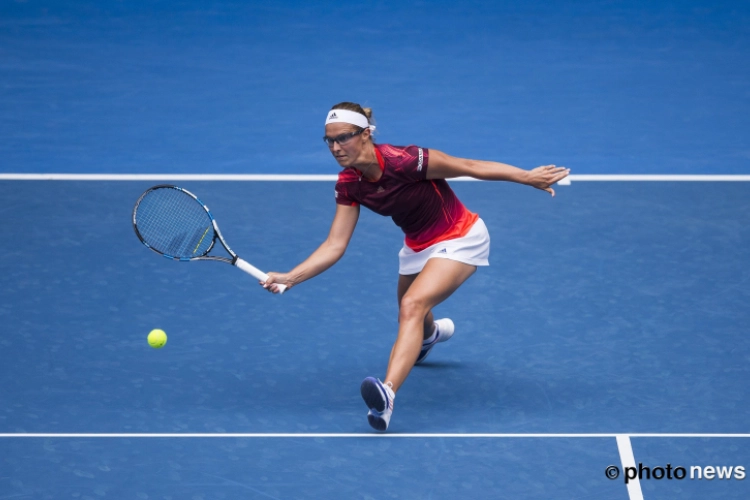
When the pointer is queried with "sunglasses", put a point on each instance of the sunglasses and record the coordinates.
(341, 139)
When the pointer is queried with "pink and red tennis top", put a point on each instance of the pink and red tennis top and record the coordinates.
(428, 211)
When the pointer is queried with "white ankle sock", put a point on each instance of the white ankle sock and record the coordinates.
(431, 337)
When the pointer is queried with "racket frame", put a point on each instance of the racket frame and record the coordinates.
(234, 260)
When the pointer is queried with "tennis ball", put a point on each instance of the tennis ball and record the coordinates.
(157, 338)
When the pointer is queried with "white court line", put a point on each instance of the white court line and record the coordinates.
(628, 460)
(351, 435)
(165, 177)
(623, 440)
(661, 178)
(316, 177)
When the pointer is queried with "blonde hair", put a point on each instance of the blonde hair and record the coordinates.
(353, 106)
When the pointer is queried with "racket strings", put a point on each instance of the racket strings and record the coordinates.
(174, 223)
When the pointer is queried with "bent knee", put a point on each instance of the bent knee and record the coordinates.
(412, 307)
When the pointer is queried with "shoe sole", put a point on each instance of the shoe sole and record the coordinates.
(373, 396)
(419, 360)
(376, 422)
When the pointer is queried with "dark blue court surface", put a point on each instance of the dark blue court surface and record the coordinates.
(612, 308)
(321, 468)
(616, 308)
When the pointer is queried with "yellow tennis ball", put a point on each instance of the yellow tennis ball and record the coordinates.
(157, 338)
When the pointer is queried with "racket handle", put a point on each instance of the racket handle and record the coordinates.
(256, 273)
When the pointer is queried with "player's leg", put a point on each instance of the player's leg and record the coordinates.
(418, 294)
(404, 282)
(434, 279)
(437, 281)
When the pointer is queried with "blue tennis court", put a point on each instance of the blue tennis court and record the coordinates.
(609, 330)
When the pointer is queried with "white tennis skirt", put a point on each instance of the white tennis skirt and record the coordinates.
(472, 249)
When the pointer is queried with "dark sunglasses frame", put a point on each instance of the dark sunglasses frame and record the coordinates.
(341, 139)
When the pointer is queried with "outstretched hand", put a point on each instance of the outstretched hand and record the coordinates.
(276, 279)
(543, 177)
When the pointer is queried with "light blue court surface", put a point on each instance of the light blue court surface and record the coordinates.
(626, 86)
(611, 327)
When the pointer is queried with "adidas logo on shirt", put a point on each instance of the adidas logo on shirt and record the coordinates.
(380, 189)
(443, 251)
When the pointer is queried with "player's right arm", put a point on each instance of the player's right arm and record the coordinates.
(327, 254)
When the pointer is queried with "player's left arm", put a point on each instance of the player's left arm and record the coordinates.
(443, 166)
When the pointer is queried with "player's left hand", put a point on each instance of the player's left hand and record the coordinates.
(543, 177)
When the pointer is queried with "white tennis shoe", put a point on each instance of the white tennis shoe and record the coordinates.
(443, 331)
(379, 399)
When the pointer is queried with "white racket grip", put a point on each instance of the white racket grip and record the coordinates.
(256, 273)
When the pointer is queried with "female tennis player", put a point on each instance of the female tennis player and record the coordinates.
(444, 242)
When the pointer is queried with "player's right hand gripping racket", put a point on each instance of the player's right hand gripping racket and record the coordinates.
(174, 223)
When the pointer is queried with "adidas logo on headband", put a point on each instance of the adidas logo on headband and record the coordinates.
(346, 116)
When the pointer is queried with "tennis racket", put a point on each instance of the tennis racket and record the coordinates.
(174, 223)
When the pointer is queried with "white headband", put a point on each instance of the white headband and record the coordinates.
(351, 117)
